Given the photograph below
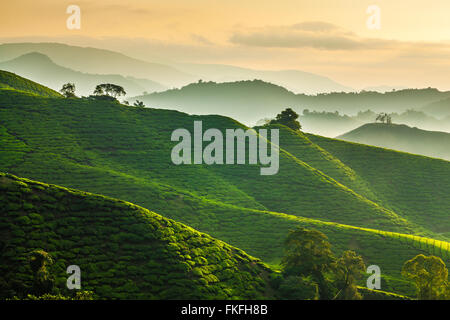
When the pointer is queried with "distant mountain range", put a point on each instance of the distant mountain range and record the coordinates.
(40, 68)
(403, 138)
(293, 80)
(250, 101)
(92, 60)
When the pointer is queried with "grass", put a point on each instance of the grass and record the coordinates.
(9, 80)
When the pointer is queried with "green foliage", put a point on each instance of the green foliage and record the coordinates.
(68, 90)
(349, 268)
(288, 118)
(150, 258)
(362, 198)
(430, 275)
(10, 80)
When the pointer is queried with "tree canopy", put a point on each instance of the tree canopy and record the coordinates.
(288, 118)
(68, 90)
(110, 90)
(430, 275)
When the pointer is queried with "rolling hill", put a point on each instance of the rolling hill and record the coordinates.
(403, 138)
(99, 61)
(440, 109)
(330, 185)
(249, 101)
(12, 81)
(42, 69)
(293, 80)
(124, 251)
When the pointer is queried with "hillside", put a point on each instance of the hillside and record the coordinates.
(439, 109)
(10, 80)
(293, 80)
(124, 251)
(124, 152)
(99, 61)
(251, 101)
(403, 138)
(42, 69)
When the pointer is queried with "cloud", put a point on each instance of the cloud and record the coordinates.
(201, 39)
(313, 34)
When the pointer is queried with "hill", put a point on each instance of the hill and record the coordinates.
(42, 69)
(123, 251)
(124, 152)
(250, 101)
(99, 61)
(10, 80)
(403, 138)
(439, 109)
(293, 80)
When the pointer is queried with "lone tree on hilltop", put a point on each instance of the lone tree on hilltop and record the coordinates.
(139, 104)
(288, 118)
(384, 118)
(110, 90)
(68, 90)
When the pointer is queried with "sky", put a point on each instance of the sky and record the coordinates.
(410, 48)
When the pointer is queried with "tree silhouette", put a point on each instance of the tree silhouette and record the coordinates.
(288, 118)
(384, 118)
(68, 90)
(109, 89)
(139, 104)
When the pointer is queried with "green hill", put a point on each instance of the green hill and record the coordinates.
(251, 101)
(124, 152)
(439, 109)
(403, 138)
(123, 251)
(10, 80)
(42, 69)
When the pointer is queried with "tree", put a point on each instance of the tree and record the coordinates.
(110, 90)
(288, 118)
(384, 117)
(430, 276)
(68, 90)
(43, 281)
(308, 253)
(349, 268)
(139, 104)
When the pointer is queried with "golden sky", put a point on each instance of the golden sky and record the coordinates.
(328, 37)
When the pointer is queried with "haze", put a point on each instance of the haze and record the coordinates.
(325, 37)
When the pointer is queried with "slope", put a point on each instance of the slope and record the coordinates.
(123, 251)
(80, 135)
(10, 80)
(93, 60)
(415, 187)
(250, 101)
(403, 138)
(293, 80)
(42, 69)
